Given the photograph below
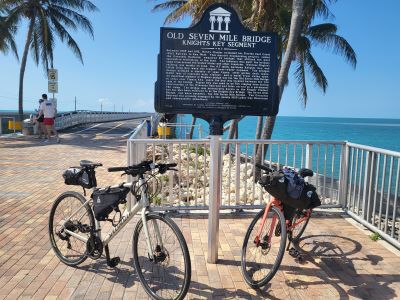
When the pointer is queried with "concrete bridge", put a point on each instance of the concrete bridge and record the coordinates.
(340, 259)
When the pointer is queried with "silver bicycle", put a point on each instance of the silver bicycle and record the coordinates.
(160, 254)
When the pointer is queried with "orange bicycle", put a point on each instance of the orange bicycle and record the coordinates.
(265, 240)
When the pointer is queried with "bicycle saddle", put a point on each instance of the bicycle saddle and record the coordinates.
(88, 163)
(306, 172)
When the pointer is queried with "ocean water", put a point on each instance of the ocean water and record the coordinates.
(382, 133)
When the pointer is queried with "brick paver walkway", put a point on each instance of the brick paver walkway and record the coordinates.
(340, 261)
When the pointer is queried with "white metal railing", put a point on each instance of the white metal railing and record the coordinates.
(361, 179)
(190, 187)
(372, 190)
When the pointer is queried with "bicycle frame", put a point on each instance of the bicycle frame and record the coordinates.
(299, 221)
(129, 213)
(275, 202)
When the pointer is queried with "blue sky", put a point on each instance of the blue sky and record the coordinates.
(120, 64)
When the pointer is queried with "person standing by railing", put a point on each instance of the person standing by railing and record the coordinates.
(48, 109)
(39, 122)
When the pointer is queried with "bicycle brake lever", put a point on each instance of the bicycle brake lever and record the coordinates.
(173, 169)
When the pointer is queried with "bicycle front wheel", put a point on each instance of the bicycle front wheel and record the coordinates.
(69, 212)
(166, 272)
(261, 259)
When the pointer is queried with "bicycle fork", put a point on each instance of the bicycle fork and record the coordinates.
(273, 222)
(151, 251)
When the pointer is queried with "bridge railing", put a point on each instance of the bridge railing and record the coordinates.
(69, 119)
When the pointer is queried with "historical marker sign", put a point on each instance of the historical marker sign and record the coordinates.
(217, 67)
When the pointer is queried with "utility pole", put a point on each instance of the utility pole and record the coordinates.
(75, 103)
(101, 106)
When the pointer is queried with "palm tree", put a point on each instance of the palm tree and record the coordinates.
(294, 33)
(323, 35)
(47, 19)
(7, 42)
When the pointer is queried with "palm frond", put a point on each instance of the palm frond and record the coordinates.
(169, 5)
(78, 18)
(320, 30)
(7, 33)
(66, 37)
(79, 5)
(300, 76)
(318, 75)
(318, 8)
(35, 46)
(338, 45)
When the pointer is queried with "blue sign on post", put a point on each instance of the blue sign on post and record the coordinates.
(217, 67)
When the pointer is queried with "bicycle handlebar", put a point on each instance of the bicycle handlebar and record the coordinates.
(116, 169)
(262, 167)
(143, 167)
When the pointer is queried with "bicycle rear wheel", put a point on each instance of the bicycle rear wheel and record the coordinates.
(165, 275)
(261, 260)
(298, 231)
(69, 249)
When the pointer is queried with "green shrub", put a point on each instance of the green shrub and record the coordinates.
(375, 236)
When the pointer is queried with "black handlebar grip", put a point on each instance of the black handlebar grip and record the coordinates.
(117, 169)
(262, 167)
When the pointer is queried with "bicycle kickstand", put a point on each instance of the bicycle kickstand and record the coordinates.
(111, 262)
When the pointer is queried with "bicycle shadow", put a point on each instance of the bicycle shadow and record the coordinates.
(125, 276)
(324, 252)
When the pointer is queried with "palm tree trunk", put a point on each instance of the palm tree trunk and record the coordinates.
(192, 127)
(295, 27)
(231, 134)
(22, 71)
(260, 121)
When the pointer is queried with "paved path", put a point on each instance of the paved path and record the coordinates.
(341, 262)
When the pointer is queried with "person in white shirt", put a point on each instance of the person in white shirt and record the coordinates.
(49, 110)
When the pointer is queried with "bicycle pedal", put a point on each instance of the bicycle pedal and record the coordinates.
(294, 253)
(114, 262)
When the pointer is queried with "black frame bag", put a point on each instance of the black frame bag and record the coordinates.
(106, 200)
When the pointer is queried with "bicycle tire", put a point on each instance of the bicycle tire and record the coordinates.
(257, 283)
(144, 261)
(296, 237)
(81, 254)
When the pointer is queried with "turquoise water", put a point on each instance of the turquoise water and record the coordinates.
(382, 133)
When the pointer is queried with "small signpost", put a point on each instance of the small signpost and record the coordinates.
(217, 70)
(53, 87)
(53, 75)
(53, 81)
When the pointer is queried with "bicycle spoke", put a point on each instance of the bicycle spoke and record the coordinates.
(67, 247)
(166, 277)
(261, 259)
